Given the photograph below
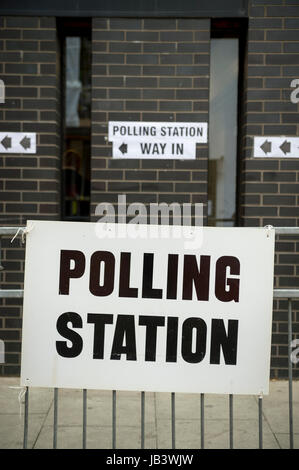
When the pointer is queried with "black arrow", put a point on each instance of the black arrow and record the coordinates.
(285, 147)
(25, 142)
(266, 147)
(6, 142)
(123, 148)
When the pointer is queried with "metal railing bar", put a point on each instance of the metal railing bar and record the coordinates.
(286, 230)
(260, 408)
(11, 293)
(286, 293)
(114, 419)
(25, 436)
(142, 418)
(55, 418)
(202, 422)
(231, 422)
(290, 372)
(9, 230)
(173, 420)
(84, 418)
(277, 293)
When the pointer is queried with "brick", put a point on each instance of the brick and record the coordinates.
(177, 59)
(125, 70)
(144, 36)
(277, 82)
(141, 82)
(176, 36)
(140, 175)
(42, 34)
(263, 117)
(283, 11)
(141, 105)
(125, 23)
(265, 23)
(260, 188)
(21, 68)
(282, 59)
(120, 93)
(260, 211)
(158, 70)
(49, 57)
(160, 23)
(194, 23)
(263, 71)
(193, 70)
(159, 47)
(142, 59)
(278, 129)
(126, 47)
(108, 58)
(108, 105)
(291, 47)
(10, 33)
(291, 23)
(21, 115)
(289, 118)
(264, 47)
(21, 92)
(289, 188)
(21, 22)
(279, 200)
(156, 187)
(175, 105)
(282, 35)
(153, 93)
(175, 82)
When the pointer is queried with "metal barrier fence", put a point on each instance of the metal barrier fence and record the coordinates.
(288, 294)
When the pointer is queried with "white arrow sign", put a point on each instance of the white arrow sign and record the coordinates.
(175, 140)
(17, 142)
(276, 147)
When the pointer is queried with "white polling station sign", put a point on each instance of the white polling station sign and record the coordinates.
(158, 140)
(106, 310)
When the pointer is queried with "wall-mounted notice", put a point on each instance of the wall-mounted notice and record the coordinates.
(17, 142)
(158, 140)
(118, 312)
(276, 147)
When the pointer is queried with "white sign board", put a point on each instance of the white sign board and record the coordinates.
(158, 140)
(17, 142)
(118, 312)
(276, 147)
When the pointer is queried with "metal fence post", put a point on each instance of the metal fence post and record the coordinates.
(290, 372)
(25, 437)
(84, 418)
(55, 418)
(114, 419)
(260, 406)
(173, 420)
(142, 418)
(202, 422)
(231, 422)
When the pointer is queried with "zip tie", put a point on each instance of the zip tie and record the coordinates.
(24, 232)
(20, 397)
(268, 228)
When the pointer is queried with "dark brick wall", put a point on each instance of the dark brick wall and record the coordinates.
(29, 184)
(148, 70)
(270, 187)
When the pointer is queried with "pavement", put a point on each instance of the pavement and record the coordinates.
(158, 433)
